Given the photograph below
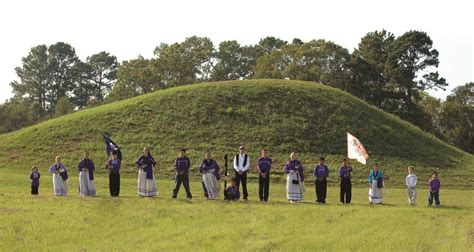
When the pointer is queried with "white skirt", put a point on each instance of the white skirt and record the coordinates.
(146, 187)
(213, 186)
(375, 194)
(86, 186)
(59, 185)
(294, 192)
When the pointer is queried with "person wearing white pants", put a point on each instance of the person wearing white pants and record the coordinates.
(411, 181)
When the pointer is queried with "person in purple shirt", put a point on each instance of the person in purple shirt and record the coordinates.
(321, 172)
(182, 165)
(35, 177)
(210, 172)
(345, 174)
(264, 167)
(435, 185)
(232, 191)
(113, 166)
(294, 171)
(86, 170)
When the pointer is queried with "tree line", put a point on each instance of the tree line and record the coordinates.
(387, 71)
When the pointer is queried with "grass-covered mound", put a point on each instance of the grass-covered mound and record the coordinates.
(281, 115)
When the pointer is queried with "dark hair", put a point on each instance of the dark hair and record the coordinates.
(321, 159)
(234, 179)
(434, 173)
(264, 149)
(345, 159)
(183, 150)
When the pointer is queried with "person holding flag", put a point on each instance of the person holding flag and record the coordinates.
(345, 175)
(146, 176)
(86, 170)
(113, 165)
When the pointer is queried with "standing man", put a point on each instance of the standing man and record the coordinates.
(264, 166)
(182, 165)
(241, 166)
(345, 174)
(321, 172)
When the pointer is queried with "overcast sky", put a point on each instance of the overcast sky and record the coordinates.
(130, 28)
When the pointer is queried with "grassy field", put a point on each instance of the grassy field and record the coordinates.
(283, 116)
(127, 223)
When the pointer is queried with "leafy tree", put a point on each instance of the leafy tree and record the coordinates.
(103, 73)
(187, 62)
(457, 117)
(410, 56)
(233, 61)
(138, 76)
(63, 107)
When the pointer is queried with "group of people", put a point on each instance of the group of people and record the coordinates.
(211, 176)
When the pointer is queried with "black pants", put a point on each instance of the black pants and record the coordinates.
(434, 196)
(114, 184)
(243, 178)
(321, 189)
(346, 190)
(34, 190)
(263, 187)
(184, 178)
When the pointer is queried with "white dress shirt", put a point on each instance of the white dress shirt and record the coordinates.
(241, 166)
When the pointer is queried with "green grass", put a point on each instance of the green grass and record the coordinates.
(129, 222)
(281, 115)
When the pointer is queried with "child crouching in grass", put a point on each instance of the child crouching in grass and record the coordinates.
(435, 185)
(232, 191)
(34, 176)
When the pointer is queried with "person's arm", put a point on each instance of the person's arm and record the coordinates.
(247, 165)
(39, 175)
(415, 181)
(92, 168)
(217, 172)
(236, 168)
(31, 176)
(406, 181)
(176, 165)
(80, 165)
(287, 168)
(301, 172)
(188, 164)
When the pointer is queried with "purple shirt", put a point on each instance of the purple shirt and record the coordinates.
(345, 172)
(209, 165)
(87, 163)
(57, 167)
(233, 193)
(147, 163)
(264, 164)
(295, 165)
(321, 172)
(114, 165)
(35, 178)
(435, 184)
(182, 165)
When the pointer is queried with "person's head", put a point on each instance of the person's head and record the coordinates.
(321, 160)
(86, 154)
(233, 181)
(241, 149)
(345, 162)
(146, 151)
(411, 169)
(293, 156)
(376, 166)
(58, 159)
(182, 152)
(34, 168)
(114, 155)
(434, 175)
(207, 155)
(264, 153)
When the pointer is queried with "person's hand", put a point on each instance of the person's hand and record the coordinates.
(240, 172)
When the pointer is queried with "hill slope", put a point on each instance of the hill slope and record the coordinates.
(280, 115)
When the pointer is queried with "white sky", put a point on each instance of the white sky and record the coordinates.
(130, 28)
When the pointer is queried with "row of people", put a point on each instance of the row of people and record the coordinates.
(210, 172)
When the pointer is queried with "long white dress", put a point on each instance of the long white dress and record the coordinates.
(86, 186)
(375, 194)
(146, 187)
(59, 185)
(294, 192)
(211, 183)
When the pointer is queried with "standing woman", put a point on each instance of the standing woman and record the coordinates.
(345, 174)
(114, 175)
(210, 177)
(294, 171)
(60, 177)
(86, 176)
(146, 177)
(375, 185)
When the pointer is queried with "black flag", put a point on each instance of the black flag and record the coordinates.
(111, 147)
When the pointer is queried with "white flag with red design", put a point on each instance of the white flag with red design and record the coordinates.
(355, 150)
